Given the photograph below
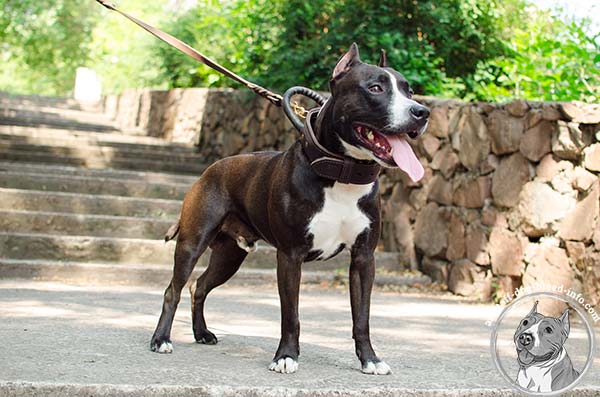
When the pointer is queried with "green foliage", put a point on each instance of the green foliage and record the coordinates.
(238, 35)
(426, 40)
(121, 53)
(549, 60)
(496, 50)
(476, 50)
(43, 42)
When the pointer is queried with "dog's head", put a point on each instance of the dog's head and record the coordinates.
(538, 337)
(373, 108)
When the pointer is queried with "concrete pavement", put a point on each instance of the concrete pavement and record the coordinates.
(61, 339)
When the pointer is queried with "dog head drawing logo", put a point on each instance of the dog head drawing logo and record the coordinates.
(544, 363)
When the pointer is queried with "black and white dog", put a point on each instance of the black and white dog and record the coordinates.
(544, 364)
(277, 197)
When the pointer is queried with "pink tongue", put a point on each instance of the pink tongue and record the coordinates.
(405, 158)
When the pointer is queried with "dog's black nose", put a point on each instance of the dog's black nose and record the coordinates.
(419, 112)
(525, 339)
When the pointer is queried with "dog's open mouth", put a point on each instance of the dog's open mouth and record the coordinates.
(393, 150)
(525, 356)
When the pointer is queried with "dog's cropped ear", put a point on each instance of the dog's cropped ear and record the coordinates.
(564, 320)
(533, 309)
(383, 62)
(346, 62)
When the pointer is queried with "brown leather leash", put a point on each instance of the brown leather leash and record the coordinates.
(274, 98)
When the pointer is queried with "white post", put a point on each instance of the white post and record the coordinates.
(87, 86)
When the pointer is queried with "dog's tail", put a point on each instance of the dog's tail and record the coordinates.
(172, 232)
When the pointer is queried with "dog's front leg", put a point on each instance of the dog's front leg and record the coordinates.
(362, 274)
(288, 282)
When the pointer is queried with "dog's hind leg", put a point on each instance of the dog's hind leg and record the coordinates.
(186, 257)
(198, 228)
(225, 260)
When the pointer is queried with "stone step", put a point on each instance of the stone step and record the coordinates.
(84, 248)
(69, 140)
(160, 275)
(103, 154)
(46, 111)
(126, 251)
(92, 185)
(102, 139)
(28, 112)
(32, 118)
(16, 221)
(76, 159)
(76, 203)
(9, 99)
(150, 177)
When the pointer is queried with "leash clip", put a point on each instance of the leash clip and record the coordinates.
(299, 110)
(293, 110)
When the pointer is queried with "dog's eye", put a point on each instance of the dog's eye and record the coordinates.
(410, 92)
(549, 330)
(525, 322)
(376, 89)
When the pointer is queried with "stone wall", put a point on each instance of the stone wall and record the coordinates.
(221, 122)
(510, 194)
(510, 197)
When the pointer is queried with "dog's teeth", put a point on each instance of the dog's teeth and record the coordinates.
(370, 135)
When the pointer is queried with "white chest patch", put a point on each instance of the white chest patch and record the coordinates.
(340, 220)
(538, 377)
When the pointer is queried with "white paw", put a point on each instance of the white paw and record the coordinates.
(243, 244)
(165, 347)
(379, 368)
(284, 365)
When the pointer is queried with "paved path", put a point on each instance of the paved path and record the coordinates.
(82, 340)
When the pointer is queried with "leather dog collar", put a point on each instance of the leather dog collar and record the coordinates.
(330, 165)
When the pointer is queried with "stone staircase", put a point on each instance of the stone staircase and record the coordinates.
(82, 201)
